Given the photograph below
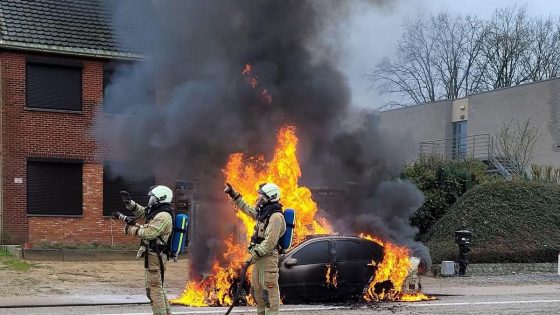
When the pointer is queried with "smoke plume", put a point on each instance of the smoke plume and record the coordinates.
(187, 106)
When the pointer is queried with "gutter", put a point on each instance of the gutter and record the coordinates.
(81, 52)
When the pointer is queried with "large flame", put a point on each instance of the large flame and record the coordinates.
(245, 174)
(393, 270)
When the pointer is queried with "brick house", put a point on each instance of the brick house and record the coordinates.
(54, 62)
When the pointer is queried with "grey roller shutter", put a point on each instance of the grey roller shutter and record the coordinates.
(113, 184)
(53, 86)
(54, 187)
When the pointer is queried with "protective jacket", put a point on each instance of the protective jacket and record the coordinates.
(270, 226)
(154, 235)
(158, 222)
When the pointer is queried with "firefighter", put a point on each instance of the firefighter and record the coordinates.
(154, 233)
(270, 226)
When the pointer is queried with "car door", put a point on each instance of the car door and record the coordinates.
(352, 258)
(306, 278)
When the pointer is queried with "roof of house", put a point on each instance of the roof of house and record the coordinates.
(74, 27)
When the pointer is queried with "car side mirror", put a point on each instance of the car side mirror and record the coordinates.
(289, 262)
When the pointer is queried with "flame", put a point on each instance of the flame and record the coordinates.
(331, 279)
(415, 297)
(252, 79)
(394, 268)
(245, 174)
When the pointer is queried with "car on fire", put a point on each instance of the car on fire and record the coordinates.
(328, 268)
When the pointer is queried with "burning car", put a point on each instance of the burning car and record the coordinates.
(318, 267)
(328, 267)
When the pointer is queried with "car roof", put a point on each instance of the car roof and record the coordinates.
(335, 237)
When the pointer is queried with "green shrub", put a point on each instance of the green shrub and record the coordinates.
(442, 182)
(515, 221)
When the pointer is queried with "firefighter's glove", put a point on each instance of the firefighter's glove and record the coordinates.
(130, 229)
(231, 192)
(126, 199)
(254, 254)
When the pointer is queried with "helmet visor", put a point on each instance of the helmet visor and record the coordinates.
(261, 199)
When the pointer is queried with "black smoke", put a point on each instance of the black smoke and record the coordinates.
(187, 106)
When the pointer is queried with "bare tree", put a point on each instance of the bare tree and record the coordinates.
(458, 46)
(543, 60)
(516, 144)
(507, 43)
(435, 59)
(410, 73)
(451, 56)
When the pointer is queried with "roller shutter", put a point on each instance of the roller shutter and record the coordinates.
(54, 86)
(113, 184)
(54, 187)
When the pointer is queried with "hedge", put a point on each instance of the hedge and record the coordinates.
(516, 221)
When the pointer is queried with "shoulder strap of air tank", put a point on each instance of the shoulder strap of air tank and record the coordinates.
(268, 218)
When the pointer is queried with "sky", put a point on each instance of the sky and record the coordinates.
(373, 32)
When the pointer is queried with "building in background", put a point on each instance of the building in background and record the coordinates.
(58, 185)
(467, 127)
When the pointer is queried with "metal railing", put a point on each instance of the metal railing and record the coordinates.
(478, 146)
(484, 147)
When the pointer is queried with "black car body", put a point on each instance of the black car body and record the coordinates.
(303, 270)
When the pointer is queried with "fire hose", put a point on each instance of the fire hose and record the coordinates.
(239, 285)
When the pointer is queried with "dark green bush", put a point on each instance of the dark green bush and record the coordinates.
(442, 182)
(516, 221)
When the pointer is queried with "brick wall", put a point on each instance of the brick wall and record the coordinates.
(30, 133)
(91, 228)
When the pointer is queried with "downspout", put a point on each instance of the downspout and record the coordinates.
(1, 155)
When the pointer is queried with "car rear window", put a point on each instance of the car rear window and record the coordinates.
(313, 253)
(350, 251)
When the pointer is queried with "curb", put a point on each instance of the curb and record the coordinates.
(14, 250)
(58, 301)
(78, 255)
(505, 268)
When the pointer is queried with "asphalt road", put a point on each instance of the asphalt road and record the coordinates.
(510, 294)
(543, 303)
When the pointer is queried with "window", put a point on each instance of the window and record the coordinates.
(54, 187)
(54, 85)
(113, 184)
(373, 251)
(350, 251)
(314, 253)
(460, 139)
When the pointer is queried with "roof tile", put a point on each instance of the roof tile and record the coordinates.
(74, 24)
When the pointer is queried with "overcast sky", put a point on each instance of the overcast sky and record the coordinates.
(373, 33)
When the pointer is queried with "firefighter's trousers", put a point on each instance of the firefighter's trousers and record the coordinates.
(154, 284)
(264, 282)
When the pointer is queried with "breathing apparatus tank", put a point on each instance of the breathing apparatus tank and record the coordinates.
(285, 240)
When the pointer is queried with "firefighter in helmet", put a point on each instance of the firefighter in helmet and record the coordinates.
(264, 249)
(154, 233)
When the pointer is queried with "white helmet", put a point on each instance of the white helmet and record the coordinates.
(270, 190)
(160, 194)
